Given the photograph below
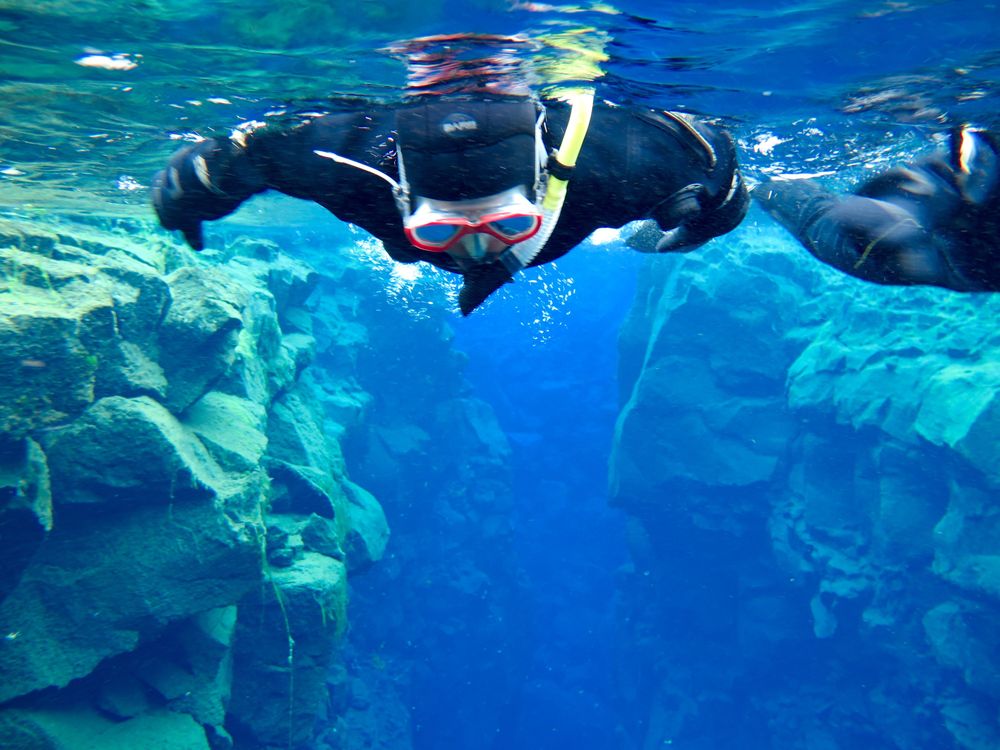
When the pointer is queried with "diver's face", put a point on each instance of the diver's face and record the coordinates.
(474, 228)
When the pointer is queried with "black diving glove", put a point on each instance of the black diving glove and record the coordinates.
(649, 238)
(184, 195)
(480, 282)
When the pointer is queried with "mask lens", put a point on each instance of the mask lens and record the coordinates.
(514, 225)
(436, 234)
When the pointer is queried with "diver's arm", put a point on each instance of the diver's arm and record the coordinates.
(712, 203)
(868, 238)
(928, 222)
(210, 179)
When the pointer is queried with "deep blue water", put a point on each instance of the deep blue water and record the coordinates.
(841, 86)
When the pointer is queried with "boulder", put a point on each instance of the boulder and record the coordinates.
(49, 372)
(85, 729)
(367, 532)
(200, 332)
(99, 587)
(286, 635)
(127, 451)
(231, 428)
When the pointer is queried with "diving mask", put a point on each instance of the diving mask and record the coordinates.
(508, 216)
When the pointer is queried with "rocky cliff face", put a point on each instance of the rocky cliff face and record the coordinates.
(176, 522)
(811, 468)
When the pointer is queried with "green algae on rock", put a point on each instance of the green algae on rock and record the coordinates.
(158, 419)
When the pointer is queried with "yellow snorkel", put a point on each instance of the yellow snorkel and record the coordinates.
(560, 167)
(576, 130)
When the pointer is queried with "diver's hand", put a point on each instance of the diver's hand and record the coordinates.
(480, 282)
(173, 208)
(188, 191)
(649, 238)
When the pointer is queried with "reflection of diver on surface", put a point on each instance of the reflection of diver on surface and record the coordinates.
(935, 221)
(475, 184)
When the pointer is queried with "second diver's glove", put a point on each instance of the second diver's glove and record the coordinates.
(184, 194)
(480, 282)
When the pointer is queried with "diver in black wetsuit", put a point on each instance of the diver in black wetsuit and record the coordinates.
(475, 184)
(935, 221)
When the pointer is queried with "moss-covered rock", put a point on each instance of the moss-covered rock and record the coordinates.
(286, 634)
(49, 372)
(199, 334)
(99, 587)
(156, 408)
(86, 729)
(127, 451)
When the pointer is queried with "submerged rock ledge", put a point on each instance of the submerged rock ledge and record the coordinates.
(176, 523)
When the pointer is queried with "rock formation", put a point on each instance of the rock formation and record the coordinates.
(176, 522)
(810, 464)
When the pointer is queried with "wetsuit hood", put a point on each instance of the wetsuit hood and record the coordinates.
(462, 148)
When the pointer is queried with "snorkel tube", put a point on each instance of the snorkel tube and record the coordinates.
(560, 168)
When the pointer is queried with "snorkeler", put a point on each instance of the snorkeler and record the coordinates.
(481, 185)
(935, 221)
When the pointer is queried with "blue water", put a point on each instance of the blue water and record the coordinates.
(549, 651)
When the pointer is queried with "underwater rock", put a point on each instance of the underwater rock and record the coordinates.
(49, 372)
(295, 432)
(289, 536)
(960, 409)
(972, 725)
(368, 531)
(190, 667)
(320, 535)
(155, 459)
(231, 428)
(910, 372)
(199, 334)
(844, 436)
(86, 729)
(301, 490)
(142, 415)
(368, 710)
(126, 370)
(300, 459)
(286, 634)
(25, 507)
(703, 398)
(965, 636)
(284, 546)
(291, 282)
(965, 541)
(97, 587)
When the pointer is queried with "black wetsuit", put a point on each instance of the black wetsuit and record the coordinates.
(935, 221)
(634, 164)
